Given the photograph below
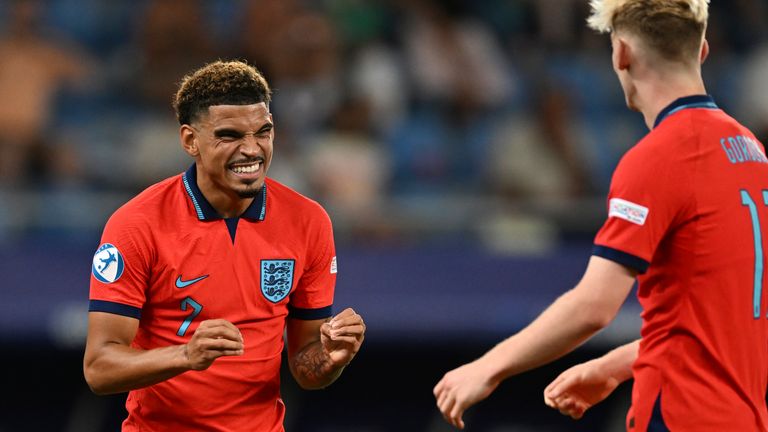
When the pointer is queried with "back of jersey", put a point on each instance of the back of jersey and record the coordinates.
(688, 204)
(705, 327)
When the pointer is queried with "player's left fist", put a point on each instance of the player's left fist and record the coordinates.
(342, 336)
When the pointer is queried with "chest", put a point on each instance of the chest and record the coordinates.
(201, 271)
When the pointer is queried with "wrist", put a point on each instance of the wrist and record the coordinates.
(491, 370)
(613, 367)
(183, 360)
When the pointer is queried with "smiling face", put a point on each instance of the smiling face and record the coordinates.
(232, 147)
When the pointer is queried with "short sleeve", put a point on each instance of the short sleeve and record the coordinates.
(120, 268)
(313, 297)
(646, 198)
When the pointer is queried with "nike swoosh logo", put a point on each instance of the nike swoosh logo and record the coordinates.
(183, 284)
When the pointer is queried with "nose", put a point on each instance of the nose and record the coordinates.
(250, 144)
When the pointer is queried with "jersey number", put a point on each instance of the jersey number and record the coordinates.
(196, 308)
(758, 282)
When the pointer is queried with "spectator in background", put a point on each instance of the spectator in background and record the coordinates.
(348, 168)
(755, 91)
(459, 79)
(261, 30)
(307, 71)
(453, 59)
(301, 54)
(754, 81)
(536, 153)
(172, 39)
(36, 66)
(374, 68)
(376, 74)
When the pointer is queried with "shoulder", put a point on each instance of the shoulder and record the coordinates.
(282, 198)
(669, 144)
(149, 205)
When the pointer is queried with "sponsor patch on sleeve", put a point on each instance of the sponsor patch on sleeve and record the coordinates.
(628, 211)
(108, 264)
(334, 269)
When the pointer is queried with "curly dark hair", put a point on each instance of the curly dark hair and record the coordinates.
(219, 83)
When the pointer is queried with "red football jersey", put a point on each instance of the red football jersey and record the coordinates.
(687, 204)
(170, 261)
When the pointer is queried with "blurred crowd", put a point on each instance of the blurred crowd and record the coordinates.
(399, 116)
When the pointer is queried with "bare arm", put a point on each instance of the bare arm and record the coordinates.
(586, 384)
(111, 365)
(568, 322)
(318, 350)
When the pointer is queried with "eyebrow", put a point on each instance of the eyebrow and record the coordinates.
(227, 131)
(267, 127)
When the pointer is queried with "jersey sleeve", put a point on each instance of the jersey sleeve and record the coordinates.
(647, 198)
(313, 297)
(120, 269)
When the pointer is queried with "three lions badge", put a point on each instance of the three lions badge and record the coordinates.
(276, 278)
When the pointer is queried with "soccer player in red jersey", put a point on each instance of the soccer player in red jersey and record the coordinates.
(685, 211)
(199, 277)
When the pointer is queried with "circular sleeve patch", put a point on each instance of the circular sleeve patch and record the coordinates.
(108, 264)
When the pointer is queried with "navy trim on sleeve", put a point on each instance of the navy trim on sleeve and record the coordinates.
(310, 314)
(114, 308)
(622, 258)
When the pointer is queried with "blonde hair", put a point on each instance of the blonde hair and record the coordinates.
(673, 28)
(604, 11)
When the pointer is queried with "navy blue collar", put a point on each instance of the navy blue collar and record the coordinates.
(205, 211)
(697, 101)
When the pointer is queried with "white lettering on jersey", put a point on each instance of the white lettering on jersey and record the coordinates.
(628, 211)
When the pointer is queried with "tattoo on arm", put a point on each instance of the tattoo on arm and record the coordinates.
(314, 366)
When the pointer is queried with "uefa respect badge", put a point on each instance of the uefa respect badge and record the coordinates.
(108, 264)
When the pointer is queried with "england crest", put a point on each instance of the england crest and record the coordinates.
(276, 278)
(108, 263)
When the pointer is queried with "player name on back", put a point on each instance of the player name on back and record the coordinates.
(742, 148)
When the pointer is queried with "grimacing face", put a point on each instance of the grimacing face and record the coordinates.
(232, 146)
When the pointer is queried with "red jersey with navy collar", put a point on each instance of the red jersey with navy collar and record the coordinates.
(168, 260)
(687, 208)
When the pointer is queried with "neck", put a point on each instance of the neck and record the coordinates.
(227, 205)
(655, 94)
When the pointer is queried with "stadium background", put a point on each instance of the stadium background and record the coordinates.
(462, 148)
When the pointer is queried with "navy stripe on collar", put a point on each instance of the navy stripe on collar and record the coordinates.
(205, 211)
(697, 101)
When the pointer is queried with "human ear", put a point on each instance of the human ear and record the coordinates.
(704, 51)
(188, 140)
(622, 54)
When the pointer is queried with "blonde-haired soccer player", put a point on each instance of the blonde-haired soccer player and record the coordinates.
(685, 211)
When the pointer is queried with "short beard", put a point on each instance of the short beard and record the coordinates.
(249, 193)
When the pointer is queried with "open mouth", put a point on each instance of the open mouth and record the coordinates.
(246, 169)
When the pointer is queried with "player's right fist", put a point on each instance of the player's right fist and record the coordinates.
(212, 339)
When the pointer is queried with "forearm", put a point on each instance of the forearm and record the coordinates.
(312, 367)
(117, 368)
(562, 327)
(618, 362)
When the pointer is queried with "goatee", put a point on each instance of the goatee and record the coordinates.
(249, 193)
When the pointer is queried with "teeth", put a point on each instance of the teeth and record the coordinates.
(247, 169)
